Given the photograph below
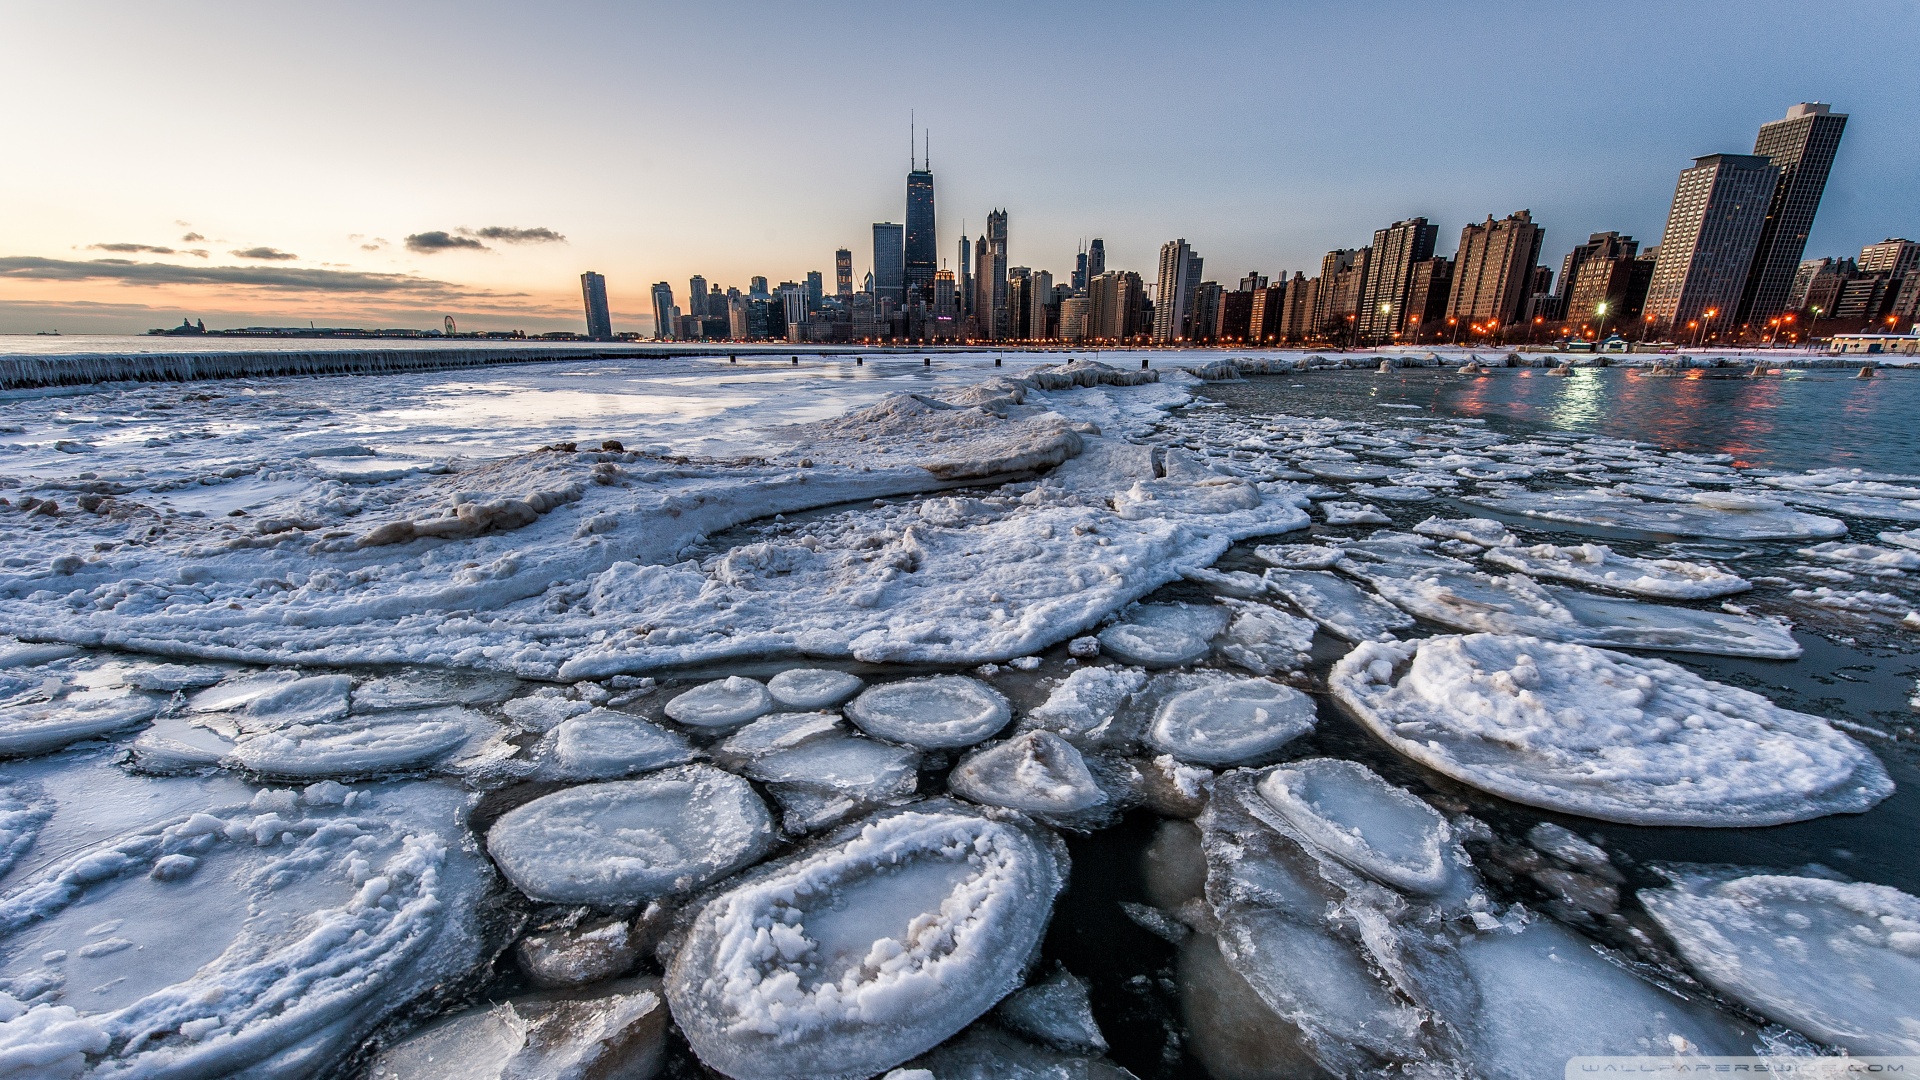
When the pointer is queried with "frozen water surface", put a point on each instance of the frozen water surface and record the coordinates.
(813, 688)
(939, 713)
(1599, 565)
(1347, 810)
(1337, 604)
(723, 703)
(1603, 734)
(1164, 635)
(1038, 772)
(1230, 721)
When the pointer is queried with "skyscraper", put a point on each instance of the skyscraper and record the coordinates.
(697, 296)
(1096, 258)
(991, 270)
(665, 315)
(1397, 249)
(593, 288)
(1427, 294)
(922, 255)
(1801, 146)
(1019, 294)
(1604, 272)
(1179, 275)
(1719, 207)
(816, 289)
(1891, 256)
(1039, 303)
(1493, 271)
(1322, 315)
(889, 270)
(843, 274)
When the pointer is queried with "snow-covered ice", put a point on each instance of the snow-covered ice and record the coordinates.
(1264, 640)
(606, 744)
(1600, 566)
(362, 746)
(1339, 605)
(1353, 513)
(722, 703)
(1348, 811)
(813, 688)
(627, 841)
(1603, 734)
(815, 752)
(1230, 721)
(943, 712)
(1717, 514)
(858, 954)
(1839, 962)
(1039, 773)
(1055, 1011)
(1164, 635)
(1085, 702)
(612, 1032)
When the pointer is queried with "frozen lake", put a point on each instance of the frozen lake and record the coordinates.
(986, 719)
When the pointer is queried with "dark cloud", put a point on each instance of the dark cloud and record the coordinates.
(282, 278)
(192, 238)
(427, 243)
(264, 253)
(133, 249)
(509, 235)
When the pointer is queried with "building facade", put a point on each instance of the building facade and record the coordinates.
(889, 265)
(1178, 277)
(593, 290)
(1713, 231)
(1493, 271)
(1397, 249)
(1801, 147)
(666, 317)
(921, 253)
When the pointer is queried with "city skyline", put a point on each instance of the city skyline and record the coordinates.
(500, 243)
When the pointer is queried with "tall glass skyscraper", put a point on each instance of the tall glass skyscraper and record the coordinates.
(593, 289)
(921, 251)
(889, 272)
(1801, 146)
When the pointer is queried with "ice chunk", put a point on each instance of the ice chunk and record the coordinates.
(1233, 1032)
(816, 750)
(943, 712)
(427, 689)
(1038, 772)
(1086, 701)
(297, 931)
(544, 709)
(1353, 513)
(605, 744)
(1164, 635)
(1866, 555)
(1840, 962)
(723, 703)
(1264, 640)
(848, 959)
(1718, 514)
(1906, 538)
(1348, 811)
(626, 841)
(239, 691)
(1515, 604)
(362, 746)
(616, 1030)
(1485, 532)
(1055, 1011)
(1602, 734)
(1298, 556)
(169, 678)
(1230, 721)
(314, 700)
(24, 808)
(577, 952)
(985, 1053)
(813, 688)
(1598, 565)
(42, 727)
(1342, 471)
(1338, 605)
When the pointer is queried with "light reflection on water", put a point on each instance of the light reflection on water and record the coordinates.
(1799, 420)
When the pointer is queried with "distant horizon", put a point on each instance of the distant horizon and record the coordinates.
(358, 188)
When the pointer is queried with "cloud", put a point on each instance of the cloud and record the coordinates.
(427, 243)
(510, 235)
(133, 249)
(265, 253)
(279, 278)
(192, 238)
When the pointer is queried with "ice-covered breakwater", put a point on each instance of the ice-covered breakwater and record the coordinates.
(29, 372)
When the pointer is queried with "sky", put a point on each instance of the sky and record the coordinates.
(389, 164)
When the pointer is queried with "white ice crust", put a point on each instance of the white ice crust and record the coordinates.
(813, 688)
(626, 841)
(1839, 962)
(1599, 565)
(605, 744)
(1164, 635)
(1350, 812)
(942, 712)
(1230, 721)
(1339, 605)
(1084, 703)
(723, 703)
(1602, 734)
(1038, 773)
(851, 958)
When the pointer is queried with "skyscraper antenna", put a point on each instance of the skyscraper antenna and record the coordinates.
(926, 157)
(912, 143)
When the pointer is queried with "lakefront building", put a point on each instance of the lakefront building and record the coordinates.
(1713, 230)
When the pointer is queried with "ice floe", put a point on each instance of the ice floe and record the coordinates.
(813, 688)
(361, 746)
(815, 754)
(1264, 640)
(852, 957)
(943, 712)
(615, 1031)
(1339, 605)
(627, 841)
(1603, 734)
(1227, 721)
(1720, 515)
(1038, 773)
(1348, 811)
(1055, 1011)
(44, 726)
(1353, 513)
(1086, 701)
(606, 744)
(1839, 962)
(723, 703)
(1598, 565)
(1164, 635)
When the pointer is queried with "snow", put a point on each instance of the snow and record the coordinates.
(1602, 734)
(1865, 555)
(1164, 635)
(723, 703)
(1298, 556)
(813, 688)
(1338, 605)
(860, 953)
(1038, 773)
(626, 841)
(943, 712)
(1348, 811)
(265, 938)
(1837, 961)
(1482, 531)
(1229, 721)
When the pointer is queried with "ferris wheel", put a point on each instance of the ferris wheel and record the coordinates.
(450, 327)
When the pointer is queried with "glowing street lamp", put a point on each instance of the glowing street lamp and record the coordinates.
(1600, 309)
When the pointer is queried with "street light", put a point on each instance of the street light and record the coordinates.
(1600, 309)
(1385, 311)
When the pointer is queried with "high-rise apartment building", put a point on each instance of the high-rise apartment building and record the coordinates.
(1713, 230)
(1493, 270)
(1801, 146)
(1263, 318)
(1116, 303)
(1803, 282)
(1233, 321)
(593, 289)
(816, 289)
(946, 295)
(666, 317)
(1427, 290)
(1040, 310)
(697, 296)
(921, 255)
(889, 265)
(1609, 272)
(1179, 275)
(1019, 293)
(1397, 249)
(1203, 311)
(1332, 265)
(843, 274)
(1892, 256)
(1073, 317)
(990, 271)
(793, 310)
(1297, 312)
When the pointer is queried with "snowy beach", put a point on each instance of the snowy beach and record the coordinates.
(957, 715)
